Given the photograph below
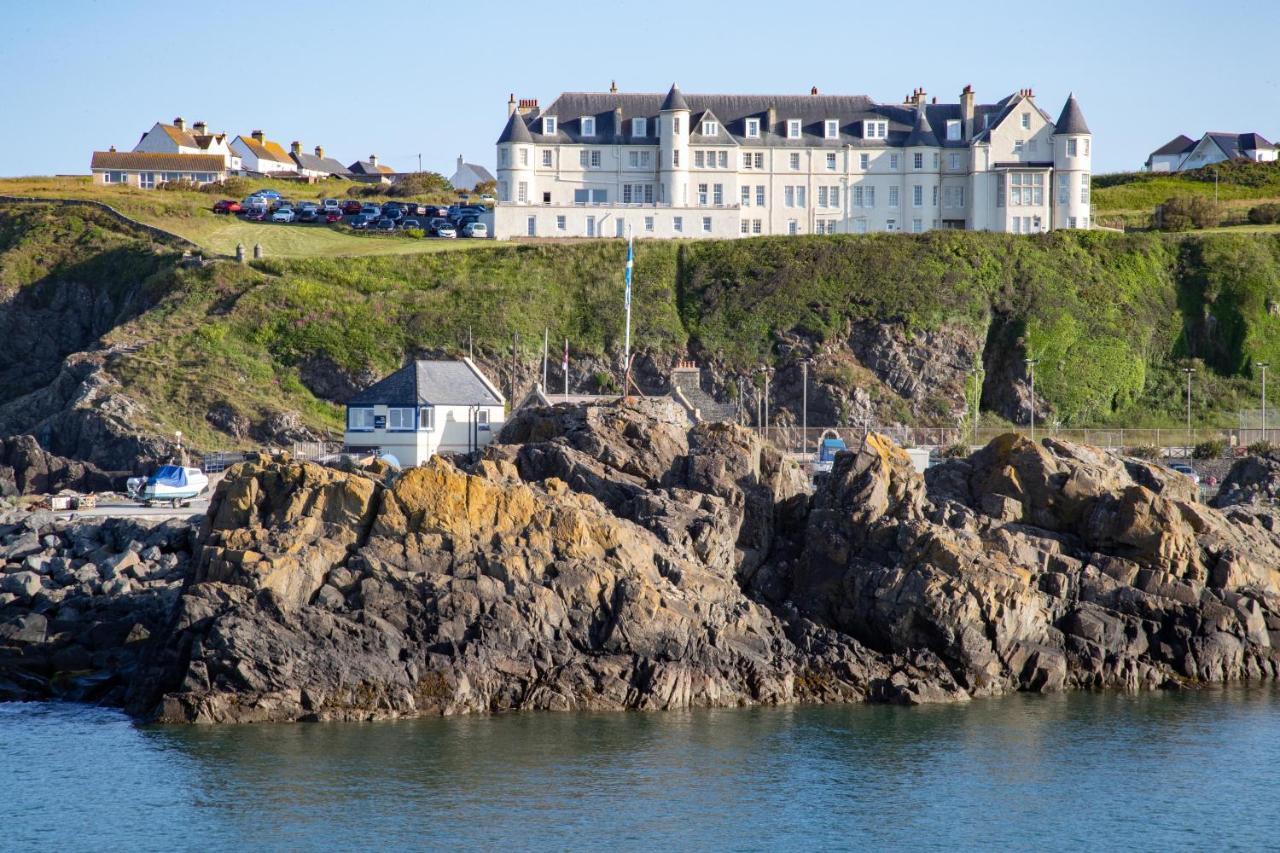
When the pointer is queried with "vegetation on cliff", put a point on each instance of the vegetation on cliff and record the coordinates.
(1112, 318)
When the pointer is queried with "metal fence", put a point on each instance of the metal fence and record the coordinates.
(305, 451)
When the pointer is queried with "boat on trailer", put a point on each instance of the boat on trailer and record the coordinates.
(172, 484)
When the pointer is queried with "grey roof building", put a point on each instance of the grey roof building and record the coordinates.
(1182, 153)
(432, 383)
(317, 164)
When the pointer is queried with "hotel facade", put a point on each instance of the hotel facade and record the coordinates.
(599, 164)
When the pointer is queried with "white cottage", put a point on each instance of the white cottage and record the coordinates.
(423, 409)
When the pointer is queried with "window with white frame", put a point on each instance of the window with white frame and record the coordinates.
(717, 194)
(917, 226)
(675, 125)
(677, 224)
(633, 159)
(746, 226)
(934, 196)
(893, 162)
(619, 227)
(891, 225)
(147, 180)
(560, 223)
(835, 196)
(482, 420)
(588, 126)
(870, 197)
(800, 191)
(1086, 153)
(793, 128)
(832, 128)
(644, 159)
(675, 158)
(522, 192)
(648, 224)
(427, 418)
(864, 162)
(859, 193)
(548, 124)
(723, 158)
(936, 160)
(753, 128)
(1064, 188)
(595, 159)
(793, 226)
(1019, 145)
(1071, 148)
(699, 160)
(788, 196)
(893, 196)
(756, 226)
(1000, 189)
(502, 191)
(531, 226)
(795, 161)
(546, 158)
(402, 419)
(759, 158)
(953, 162)
(760, 195)
(1084, 188)
(831, 161)
(1071, 222)
(822, 196)
(503, 156)
(917, 160)
(702, 195)
(706, 224)
(917, 196)
(710, 128)
(746, 160)
(953, 130)
(875, 129)
(360, 419)
(584, 157)
(1026, 121)
(746, 196)
(639, 127)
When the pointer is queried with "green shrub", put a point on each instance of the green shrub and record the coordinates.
(1264, 214)
(959, 450)
(1185, 212)
(1144, 451)
(605, 383)
(1211, 449)
(1261, 448)
(416, 233)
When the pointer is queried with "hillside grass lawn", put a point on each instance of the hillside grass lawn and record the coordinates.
(190, 215)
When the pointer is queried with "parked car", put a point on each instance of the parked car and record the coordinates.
(265, 194)
(308, 214)
(392, 210)
(361, 221)
(406, 224)
(352, 207)
(446, 230)
(332, 216)
(256, 213)
(330, 204)
(475, 229)
(371, 210)
(1186, 468)
(226, 205)
(385, 224)
(284, 214)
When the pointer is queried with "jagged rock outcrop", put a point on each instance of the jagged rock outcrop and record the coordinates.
(1253, 481)
(27, 468)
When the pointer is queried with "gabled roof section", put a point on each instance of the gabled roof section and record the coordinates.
(265, 150)
(674, 100)
(516, 130)
(479, 171)
(1072, 119)
(1253, 142)
(432, 383)
(367, 167)
(1180, 144)
(166, 162)
(311, 162)
(180, 137)
(922, 133)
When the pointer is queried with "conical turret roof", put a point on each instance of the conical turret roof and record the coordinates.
(674, 100)
(1072, 119)
(516, 130)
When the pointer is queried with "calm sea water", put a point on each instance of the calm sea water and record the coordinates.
(1153, 771)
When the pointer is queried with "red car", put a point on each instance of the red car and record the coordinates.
(333, 216)
(351, 208)
(226, 205)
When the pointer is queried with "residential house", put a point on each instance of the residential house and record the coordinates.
(147, 170)
(598, 164)
(1211, 148)
(179, 138)
(261, 155)
(468, 175)
(426, 408)
(316, 165)
(371, 170)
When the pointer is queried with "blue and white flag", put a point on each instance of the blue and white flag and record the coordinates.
(630, 264)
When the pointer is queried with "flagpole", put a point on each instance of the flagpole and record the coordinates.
(546, 338)
(566, 368)
(626, 351)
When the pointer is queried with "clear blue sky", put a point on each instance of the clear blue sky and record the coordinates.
(402, 78)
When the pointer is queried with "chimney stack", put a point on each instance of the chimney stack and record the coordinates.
(373, 160)
(200, 128)
(527, 106)
(771, 119)
(459, 162)
(511, 104)
(966, 111)
(257, 136)
(920, 97)
(320, 151)
(179, 123)
(295, 147)
(613, 87)
(813, 91)
(617, 122)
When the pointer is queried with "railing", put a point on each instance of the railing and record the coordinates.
(303, 451)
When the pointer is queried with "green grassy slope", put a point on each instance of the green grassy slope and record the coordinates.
(1111, 317)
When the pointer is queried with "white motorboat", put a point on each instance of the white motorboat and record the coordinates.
(173, 484)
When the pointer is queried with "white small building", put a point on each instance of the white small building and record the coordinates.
(469, 175)
(261, 155)
(181, 138)
(423, 409)
(1182, 153)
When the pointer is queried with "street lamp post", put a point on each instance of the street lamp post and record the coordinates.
(1188, 371)
(804, 407)
(1031, 367)
(1263, 365)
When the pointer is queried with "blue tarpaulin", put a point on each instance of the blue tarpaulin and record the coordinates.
(830, 447)
(170, 475)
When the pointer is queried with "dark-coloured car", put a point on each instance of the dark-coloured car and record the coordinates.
(406, 224)
(352, 207)
(226, 205)
(392, 210)
(385, 224)
(307, 214)
(362, 221)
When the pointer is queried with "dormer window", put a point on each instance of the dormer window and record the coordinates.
(793, 128)
(875, 129)
(953, 130)
(588, 126)
(832, 128)
(710, 128)
(548, 125)
(639, 127)
(753, 128)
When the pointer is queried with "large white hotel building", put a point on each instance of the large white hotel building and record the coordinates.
(595, 164)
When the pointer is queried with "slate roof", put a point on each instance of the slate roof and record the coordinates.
(432, 383)
(732, 111)
(364, 167)
(1178, 145)
(166, 162)
(674, 100)
(480, 171)
(922, 133)
(1072, 119)
(319, 164)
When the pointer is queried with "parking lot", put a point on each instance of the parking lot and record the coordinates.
(408, 218)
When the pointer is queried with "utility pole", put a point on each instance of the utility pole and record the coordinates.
(546, 343)
(1188, 371)
(1264, 365)
(471, 350)
(804, 408)
(1031, 366)
(626, 346)
(515, 342)
(419, 162)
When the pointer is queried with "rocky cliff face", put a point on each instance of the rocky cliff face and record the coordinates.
(612, 557)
